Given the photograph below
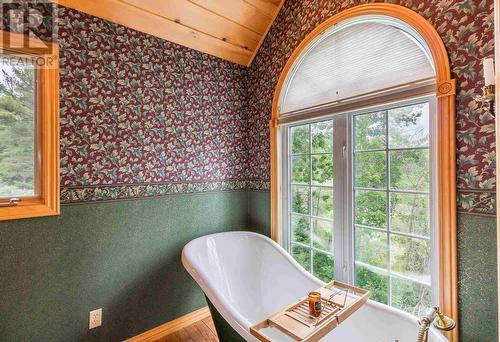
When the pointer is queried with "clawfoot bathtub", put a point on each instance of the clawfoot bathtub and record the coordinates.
(247, 277)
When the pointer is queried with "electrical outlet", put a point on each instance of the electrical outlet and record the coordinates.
(95, 318)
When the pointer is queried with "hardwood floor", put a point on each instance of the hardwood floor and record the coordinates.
(201, 331)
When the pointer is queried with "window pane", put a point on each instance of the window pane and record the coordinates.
(322, 202)
(411, 297)
(300, 139)
(322, 170)
(371, 247)
(322, 137)
(409, 126)
(410, 170)
(370, 208)
(300, 199)
(370, 170)
(410, 213)
(410, 257)
(302, 255)
(300, 170)
(369, 131)
(300, 229)
(17, 131)
(323, 235)
(323, 266)
(374, 282)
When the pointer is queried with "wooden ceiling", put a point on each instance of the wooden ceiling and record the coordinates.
(230, 29)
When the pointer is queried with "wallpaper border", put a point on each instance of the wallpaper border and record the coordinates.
(98, 193)
(468, 201)
(481, 202)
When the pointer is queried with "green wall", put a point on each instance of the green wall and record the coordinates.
(477, 278)
(125, 257)
(477, 284)
(121, 256)
(259, 212)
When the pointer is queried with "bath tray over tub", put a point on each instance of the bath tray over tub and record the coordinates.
(339, 301)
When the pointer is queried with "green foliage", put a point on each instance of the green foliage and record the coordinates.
(17, 131)
(322, 170)
(322, 137)
(374, 282)
(322, 234)
(300, 139)
(371, 208)
(300, 200)
(300, 229)
(410, 256)
(301, 170)
(302, 255)
(322, 202)
(410, 170)
(409, 126)
(323, 266)
(370, 131)
(410, 213)
(370, 170)
(371, 247)
(410, 297)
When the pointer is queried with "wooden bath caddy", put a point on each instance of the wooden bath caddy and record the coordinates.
(296, 322)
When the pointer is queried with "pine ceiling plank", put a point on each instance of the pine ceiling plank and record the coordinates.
(140, 20)
(238, 11)
(267, 7)
(198, 18)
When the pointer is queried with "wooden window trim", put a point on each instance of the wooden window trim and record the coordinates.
(445, 140)
(47, 202)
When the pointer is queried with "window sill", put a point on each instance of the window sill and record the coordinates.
(30, 207)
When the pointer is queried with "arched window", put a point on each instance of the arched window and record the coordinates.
(357, 180)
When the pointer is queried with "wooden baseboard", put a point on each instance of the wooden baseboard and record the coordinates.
(172, 326)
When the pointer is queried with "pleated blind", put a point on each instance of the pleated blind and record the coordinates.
(358, 59)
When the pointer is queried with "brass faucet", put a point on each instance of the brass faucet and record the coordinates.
(437, 319)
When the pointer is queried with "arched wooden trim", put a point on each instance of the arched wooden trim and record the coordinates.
(445, 140)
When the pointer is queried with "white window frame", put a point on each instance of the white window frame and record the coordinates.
(344, 202)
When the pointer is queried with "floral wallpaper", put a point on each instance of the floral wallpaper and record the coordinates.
(466, 27)
(141, 116)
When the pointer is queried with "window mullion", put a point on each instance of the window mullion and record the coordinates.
(311, 266)
(387, 208)
(341, 229)
(287, 190)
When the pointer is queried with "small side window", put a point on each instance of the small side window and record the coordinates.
(29, 128)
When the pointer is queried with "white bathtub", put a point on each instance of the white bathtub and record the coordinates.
(248, 277)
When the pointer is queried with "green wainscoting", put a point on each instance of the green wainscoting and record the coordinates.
(125, 257)
(477, 278)
(476, 260)
(121, 256)
(259, 212)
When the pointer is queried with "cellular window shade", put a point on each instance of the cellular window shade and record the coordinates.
(358, 59)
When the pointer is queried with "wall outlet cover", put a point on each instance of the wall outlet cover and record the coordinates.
(95, 318)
